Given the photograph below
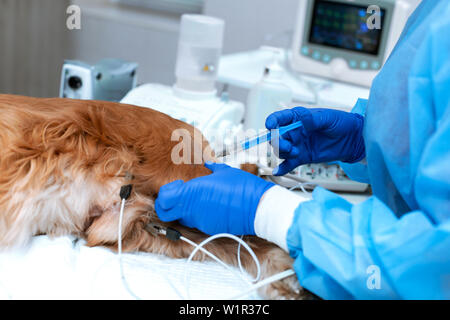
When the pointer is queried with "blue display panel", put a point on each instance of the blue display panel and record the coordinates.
(344, 26)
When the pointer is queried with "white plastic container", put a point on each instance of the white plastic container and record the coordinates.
(199, 49)
(267, 96)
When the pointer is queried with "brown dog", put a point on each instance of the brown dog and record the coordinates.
(62, 164)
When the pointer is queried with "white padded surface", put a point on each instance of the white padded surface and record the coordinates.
(60, 268)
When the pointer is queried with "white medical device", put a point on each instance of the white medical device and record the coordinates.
(109, 79)
(327, 175)
(347, 40)
(193, 98)
(210, 114)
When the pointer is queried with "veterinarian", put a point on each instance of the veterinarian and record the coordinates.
(395, 245)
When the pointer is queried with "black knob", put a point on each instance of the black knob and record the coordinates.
(75, 82)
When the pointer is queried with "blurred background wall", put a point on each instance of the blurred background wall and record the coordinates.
(34, 39)
(33, 43)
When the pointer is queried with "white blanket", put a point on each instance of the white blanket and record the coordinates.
(62, 268)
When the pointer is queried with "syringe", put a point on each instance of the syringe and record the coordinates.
(256, 140)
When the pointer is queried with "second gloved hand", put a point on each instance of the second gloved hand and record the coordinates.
(224, 201)
(326, 135)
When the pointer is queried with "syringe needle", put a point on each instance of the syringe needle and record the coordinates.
(258, 139)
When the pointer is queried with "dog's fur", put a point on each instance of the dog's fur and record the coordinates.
(63, 161)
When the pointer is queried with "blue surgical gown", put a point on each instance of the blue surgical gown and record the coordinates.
(396, 244)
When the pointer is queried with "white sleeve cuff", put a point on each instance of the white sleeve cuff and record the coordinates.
(275, 213)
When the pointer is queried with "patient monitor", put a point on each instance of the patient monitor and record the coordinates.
(347, 40)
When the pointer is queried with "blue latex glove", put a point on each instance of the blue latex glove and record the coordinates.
(224, 201)
(326, 135)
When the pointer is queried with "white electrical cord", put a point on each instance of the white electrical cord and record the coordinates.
(302, 185)
(217, 236)
(262, 283)
(119, 250)
(258, 275)
(199, 247)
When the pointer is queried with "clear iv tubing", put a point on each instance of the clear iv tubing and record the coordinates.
(258, 139)
(198, 247)
(222, 235)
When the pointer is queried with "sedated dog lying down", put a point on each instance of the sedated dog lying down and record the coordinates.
(63, 161)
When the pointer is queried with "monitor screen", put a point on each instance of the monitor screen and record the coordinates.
(344, 26)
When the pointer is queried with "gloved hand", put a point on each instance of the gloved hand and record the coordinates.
(326, 135)
(224, 201)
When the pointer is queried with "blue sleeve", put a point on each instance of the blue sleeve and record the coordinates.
(357, 171)
(367, 251)
(363, 251)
